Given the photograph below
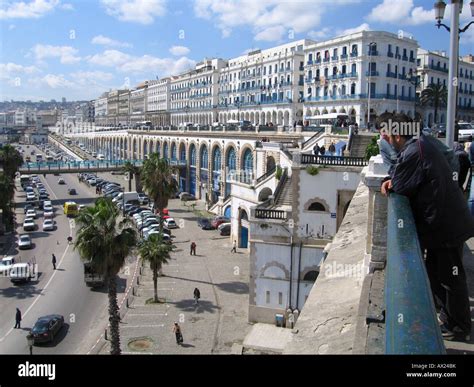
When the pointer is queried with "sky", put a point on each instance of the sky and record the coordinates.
(78, 49)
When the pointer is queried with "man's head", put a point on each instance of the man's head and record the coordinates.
(397, 138)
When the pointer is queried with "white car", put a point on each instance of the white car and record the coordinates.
(5, 265)
(47, 207)
(48, 225)
(466, 131)
(61, 181)
(170, 223)
(24, 242)
(48, 214)
(31, 214)
(143, 199)
(30, 196)
(29, 224)
(166, 238)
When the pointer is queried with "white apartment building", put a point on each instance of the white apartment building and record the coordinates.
(194, 94)
(24, 117)
(100, 110)
(138, 102)
(264, 86)
(158, 102)
(433, 69)
(338, 73)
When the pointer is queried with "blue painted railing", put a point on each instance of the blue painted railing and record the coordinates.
(411, 324)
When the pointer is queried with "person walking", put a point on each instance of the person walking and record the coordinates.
(332, 149)
(193, 249)
(18, 319)
(443, 223)
(234, 247)
(197, 295)
(54, 262)
(322, 150)
(177, 332)
(316, 150)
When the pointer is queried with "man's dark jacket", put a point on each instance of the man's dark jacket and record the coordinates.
(441, 214)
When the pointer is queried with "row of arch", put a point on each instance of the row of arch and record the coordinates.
(281, 117)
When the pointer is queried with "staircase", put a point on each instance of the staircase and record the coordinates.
(359, 144)
(285, 198)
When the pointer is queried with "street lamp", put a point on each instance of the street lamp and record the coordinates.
(413, 79)
(455, 31)
(368, 97)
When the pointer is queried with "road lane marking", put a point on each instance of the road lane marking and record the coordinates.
(142, 326)
(39, 295)
(46, 182)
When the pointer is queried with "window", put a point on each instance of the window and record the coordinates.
(280, 298)
(267, 297)
(316, 206)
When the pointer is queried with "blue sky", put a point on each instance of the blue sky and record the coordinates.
(78, 49)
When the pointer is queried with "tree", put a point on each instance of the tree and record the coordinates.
(436, 96)
(157, 253)
(158, 181)
(105, 243)
(134, 173)
(10, 160)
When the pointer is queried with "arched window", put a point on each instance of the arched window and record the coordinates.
(316, 206)
(354, 68)
(193, 155)
(248, 161)
(343, 90)
(231, 160)
(182, 153)
(157, 148)
(173, 151)
(353, 89)
(217, 159)
(204, 158)
(165, 151)
(311, 276)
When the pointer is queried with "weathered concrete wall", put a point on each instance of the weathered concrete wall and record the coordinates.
(328, 320)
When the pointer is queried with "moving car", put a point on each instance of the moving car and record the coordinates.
(30, 196)
(48, 214)
(31, 213)
(466, 131)
(21, 272)
(29, 224)
(48, 225)
(29, 206)
(47, 206)
(24, 242)
(205, 224)
(47, 327)
(72, 191)
(61, 181)
(170, 223)
(5, 265)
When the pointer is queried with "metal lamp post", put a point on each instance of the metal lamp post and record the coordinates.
(455, 31)
(413, 79)
(368, 96)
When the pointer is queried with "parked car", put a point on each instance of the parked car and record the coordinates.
(72, 191)
(24, 242)
(225, 229)
(30, 197)
(170, 223)
(29, 206)
(61, 181)
(185, 196)
(31, 213)
(440, 130)
(47, 327)
(143, 199)
(218, 220)
(48, 214)
(466, 131)
(205, 224)
(48, 225)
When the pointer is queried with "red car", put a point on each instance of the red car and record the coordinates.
(218, 220)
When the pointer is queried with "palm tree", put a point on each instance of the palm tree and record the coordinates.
(134, 172)
(7, 192)
(435, 95)
(105, 243)
(157, 253)
(10, 160)
(158, 181)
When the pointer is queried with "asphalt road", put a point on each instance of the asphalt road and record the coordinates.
(61, 291)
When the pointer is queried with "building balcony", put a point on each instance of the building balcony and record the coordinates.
(371, 73)
(335, 57)
(390, 74)
(405, 58)
(326, 60)
(354, 54)
(373, 53)
(439, 68)
(310, 62)
(317, 61)
(390, 54)
(344, 56)
(412, 60)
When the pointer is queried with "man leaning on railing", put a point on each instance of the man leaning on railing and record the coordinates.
(443, 223)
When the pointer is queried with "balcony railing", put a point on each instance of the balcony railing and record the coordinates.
(390, 54)
(325, 60)
(335, 57)
(344, 56)
(334, 160)
(354, 54)
(263, 213)
(265, 175)
(373, 53)
(372, 73)
(419, 333)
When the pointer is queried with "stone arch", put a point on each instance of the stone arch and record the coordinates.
(310, 274)
(286, 272)
(182, 151)
(264, 194)
(270, 163)
(280, 118)
(316, 205)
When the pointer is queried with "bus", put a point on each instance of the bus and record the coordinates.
(71, 209)
(24, 179)
(329, 121)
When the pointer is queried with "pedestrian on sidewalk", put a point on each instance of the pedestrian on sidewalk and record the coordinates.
(197, 295)
(54, 262)
(193, 249)
(234, 247)
(178, 334)
(17, 319)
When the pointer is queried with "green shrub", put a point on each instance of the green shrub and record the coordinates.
(372, 148)
(312, 170)
(279, 172)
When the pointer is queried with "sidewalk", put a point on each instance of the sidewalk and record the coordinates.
(219, 320)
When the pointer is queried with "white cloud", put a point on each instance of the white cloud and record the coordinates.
(271, 34)
(321, 34)
(362, 27)
(66, 54)
(105, 41)
(179, 50)
(269, 19)
(53, 81)
(143, 64)
(67, 7)
(91, 77)
(401, 12)
(10, 70)
(139, 11)
(27, 10)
